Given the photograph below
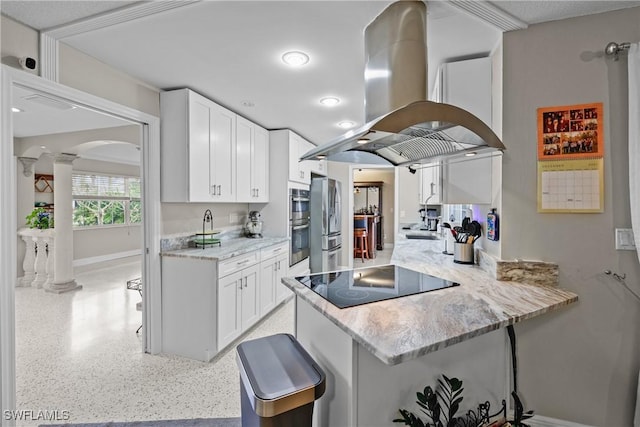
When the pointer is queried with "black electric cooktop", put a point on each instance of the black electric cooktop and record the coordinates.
(349, 288)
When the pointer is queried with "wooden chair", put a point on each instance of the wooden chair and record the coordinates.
(360, 246)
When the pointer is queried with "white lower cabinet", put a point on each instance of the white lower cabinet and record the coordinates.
(282, 292)
(207, 304)
(274, 266)
(237, 304)
(272, 291)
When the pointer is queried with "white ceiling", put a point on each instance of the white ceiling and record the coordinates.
(230, 51)
(42, 115)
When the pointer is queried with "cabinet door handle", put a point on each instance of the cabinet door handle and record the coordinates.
(239, 263)
(219, 190)
(241, 283)
(246, 281)
(213, 190)
(257, 192)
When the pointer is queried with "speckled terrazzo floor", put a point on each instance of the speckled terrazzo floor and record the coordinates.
(78, 352)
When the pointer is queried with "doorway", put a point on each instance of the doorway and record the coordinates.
(374, 211)
(148, 131)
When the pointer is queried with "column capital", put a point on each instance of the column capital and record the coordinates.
(64, 158)
(27, 165)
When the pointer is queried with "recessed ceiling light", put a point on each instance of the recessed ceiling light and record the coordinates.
(346, 124)
(44, 147)
(363, 140)
(16, 110)
(471, 154)
(330, 101)
(295, 58)
(321, 157)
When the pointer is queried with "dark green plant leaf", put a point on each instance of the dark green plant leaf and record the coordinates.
(455, 384)
(409, 419)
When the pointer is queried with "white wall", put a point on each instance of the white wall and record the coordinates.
(86, 73)
(581, 363)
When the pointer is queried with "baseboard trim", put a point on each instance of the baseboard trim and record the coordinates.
(102, 258)
(540, 421)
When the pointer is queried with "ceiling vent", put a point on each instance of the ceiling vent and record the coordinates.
(49, 102)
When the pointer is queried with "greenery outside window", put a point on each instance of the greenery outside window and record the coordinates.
(105, 200)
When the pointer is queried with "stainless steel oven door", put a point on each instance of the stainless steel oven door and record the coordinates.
(299, 205)
(299, 246)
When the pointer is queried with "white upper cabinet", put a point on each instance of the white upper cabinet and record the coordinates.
(222, 154)
(252, 173)
(198, 149)
(290, 147)
(209, 153)
(298, 171)
(467, 84)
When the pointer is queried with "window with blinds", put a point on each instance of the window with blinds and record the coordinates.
(105, 200)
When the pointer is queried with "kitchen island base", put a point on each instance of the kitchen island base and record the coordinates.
(362, 390)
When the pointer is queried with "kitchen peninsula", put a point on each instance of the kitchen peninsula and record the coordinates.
(378, 355)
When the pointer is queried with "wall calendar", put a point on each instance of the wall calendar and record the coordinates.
(571, 159)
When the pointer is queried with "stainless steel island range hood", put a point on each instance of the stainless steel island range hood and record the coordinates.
(402, 127)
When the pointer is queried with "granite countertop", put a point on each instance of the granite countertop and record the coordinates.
(402, 329)
(228, 249)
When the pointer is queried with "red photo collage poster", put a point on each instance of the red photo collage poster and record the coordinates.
(570, 132)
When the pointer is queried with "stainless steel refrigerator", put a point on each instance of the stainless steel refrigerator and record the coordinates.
(326, 225)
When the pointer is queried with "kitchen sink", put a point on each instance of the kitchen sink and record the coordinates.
(422, 236)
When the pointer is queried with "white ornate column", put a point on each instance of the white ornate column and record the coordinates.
(63, 280)
(28, 264)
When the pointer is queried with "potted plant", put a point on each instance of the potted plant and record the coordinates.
(39, 218)
(441, 403)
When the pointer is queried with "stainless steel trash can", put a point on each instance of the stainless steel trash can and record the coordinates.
(279, 382)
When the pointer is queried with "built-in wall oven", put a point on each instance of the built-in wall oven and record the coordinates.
(299, 214)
